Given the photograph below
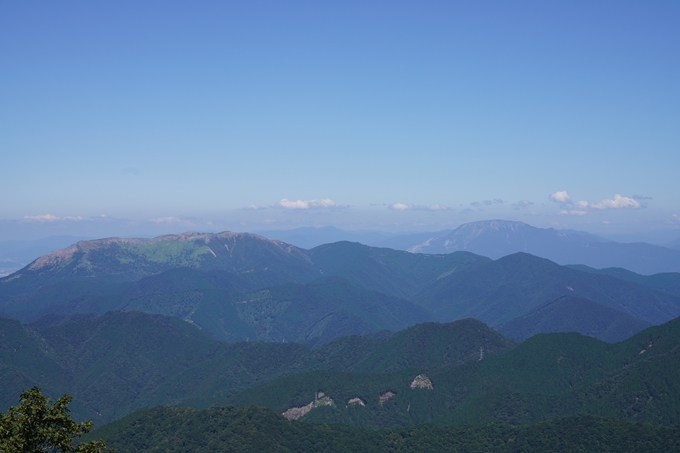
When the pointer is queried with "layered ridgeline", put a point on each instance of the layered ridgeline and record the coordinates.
(242, 286)
(457, 373)
(547, 376)
(498, 291)
(574, 314)
(498, 238)
(120, 362)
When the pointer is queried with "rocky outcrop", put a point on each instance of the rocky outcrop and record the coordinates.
(354, 401)
(421, 382)
(385, 396)
(294, 413)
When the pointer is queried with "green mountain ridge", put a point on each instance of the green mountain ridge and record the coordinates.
(253, 288)
(667, 282)
(118, 259)
(574, 314)
(501, 290)
(124, 361)
(547, 376)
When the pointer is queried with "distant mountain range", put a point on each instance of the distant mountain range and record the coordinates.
(239, 286)
(310, 237)
(498, 238)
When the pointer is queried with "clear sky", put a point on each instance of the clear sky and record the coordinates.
(120, 118)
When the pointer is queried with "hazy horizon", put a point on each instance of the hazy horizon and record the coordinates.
(132, 119)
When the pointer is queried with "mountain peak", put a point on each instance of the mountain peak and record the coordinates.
(124, 259)
(182, 240)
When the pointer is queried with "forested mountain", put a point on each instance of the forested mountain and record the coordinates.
(242, 286)
(549, 375)
(501, 290)
(257, 430)
(389, 271)
(120, 362)
(119, 259)
(668, 282)
(454, 374)
(574, 314)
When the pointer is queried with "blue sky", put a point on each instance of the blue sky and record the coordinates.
(123, 118)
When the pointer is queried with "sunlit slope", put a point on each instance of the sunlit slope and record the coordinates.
(120, 259)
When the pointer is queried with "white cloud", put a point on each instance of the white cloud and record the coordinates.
(572, 212)
(50, 218)
(42, 218)
(675, 218)
(560, 197)
(399, 207)
(323, 203)
(582, 207)
(618, 202)
(252, 207)
(168, 220)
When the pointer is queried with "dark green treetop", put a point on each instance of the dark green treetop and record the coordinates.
(36, 425)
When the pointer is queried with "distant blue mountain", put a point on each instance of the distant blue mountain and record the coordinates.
(310, 237)
(675, 244)
(498, 238)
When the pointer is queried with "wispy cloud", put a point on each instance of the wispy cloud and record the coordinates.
(323, 203)
(432, 207)
(45, 218)
(582, 207)
(674, 218)
(522, 204)
(478, 204)
(253, 207)
(168, 220)
(641, 197)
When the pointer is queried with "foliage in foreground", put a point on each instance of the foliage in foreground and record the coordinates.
(251, 429)
(36, 426)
